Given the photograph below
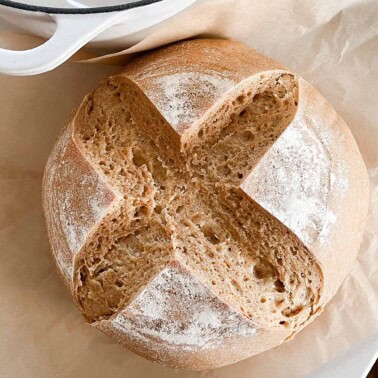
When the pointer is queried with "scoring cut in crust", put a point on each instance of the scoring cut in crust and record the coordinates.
(181, 211)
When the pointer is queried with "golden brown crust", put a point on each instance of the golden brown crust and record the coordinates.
(75, 197)
(197, 343)
(314, 170)
(325, 205)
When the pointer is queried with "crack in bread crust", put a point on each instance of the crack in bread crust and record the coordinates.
(183, 202)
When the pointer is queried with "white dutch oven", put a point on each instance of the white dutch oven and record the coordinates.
(71, 24)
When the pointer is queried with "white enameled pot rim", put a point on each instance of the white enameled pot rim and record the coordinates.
(75, 27)
(53, 10)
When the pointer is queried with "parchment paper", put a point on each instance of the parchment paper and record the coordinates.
(332, 44)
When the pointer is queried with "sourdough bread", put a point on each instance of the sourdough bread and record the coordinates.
(205, 204)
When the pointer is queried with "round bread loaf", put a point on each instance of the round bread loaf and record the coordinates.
(205, 204)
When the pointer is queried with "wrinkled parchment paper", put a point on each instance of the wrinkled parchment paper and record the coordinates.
(332, 44)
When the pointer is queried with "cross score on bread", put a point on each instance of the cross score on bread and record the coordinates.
(196, 201)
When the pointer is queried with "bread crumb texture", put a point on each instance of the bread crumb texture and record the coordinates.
(218, 192)
(185, 203)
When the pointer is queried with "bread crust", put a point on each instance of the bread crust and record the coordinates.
(76, 196)
(341, 210)
(196, 347)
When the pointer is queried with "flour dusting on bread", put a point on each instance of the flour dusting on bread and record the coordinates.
(157, 314)
(297, 177)
(176, 94)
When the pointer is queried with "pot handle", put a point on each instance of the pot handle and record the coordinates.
(70, 35)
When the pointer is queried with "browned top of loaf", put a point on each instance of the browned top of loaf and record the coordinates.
(186, 82)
